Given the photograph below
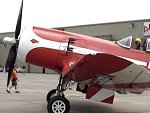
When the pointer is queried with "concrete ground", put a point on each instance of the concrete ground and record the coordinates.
(34, 88)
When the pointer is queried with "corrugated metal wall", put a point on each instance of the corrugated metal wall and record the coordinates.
(116, 30)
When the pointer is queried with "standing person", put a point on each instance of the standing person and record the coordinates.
(14, 80)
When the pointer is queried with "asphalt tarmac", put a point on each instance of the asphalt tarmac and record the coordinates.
(34, 88)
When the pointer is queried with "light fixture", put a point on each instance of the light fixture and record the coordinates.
(131, 25)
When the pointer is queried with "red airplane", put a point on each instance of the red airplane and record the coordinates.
(99, 67)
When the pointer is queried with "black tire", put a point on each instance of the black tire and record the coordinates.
(58, 104)
(50, 94)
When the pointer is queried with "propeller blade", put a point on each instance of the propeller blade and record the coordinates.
(18, 25)
(11, 61)
(13, 50)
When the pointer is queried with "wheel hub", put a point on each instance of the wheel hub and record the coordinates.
(58, 106)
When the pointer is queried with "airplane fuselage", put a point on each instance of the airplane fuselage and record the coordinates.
(48, 48)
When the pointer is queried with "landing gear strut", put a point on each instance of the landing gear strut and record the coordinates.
(57, 103)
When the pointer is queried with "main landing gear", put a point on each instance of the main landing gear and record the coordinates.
(57, 103)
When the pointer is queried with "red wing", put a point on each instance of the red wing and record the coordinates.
(92, 65)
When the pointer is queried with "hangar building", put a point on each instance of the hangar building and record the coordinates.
(110, 31)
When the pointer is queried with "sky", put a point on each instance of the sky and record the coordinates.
(61, 13)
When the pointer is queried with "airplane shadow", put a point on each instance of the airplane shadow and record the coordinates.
(86, 106)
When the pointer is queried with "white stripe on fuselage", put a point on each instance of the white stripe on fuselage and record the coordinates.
(138, 62)
(93, 52)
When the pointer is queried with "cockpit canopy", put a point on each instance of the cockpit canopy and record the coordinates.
(147, 45)
(125, 42)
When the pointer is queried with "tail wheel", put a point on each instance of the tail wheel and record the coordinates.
(58, 104)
